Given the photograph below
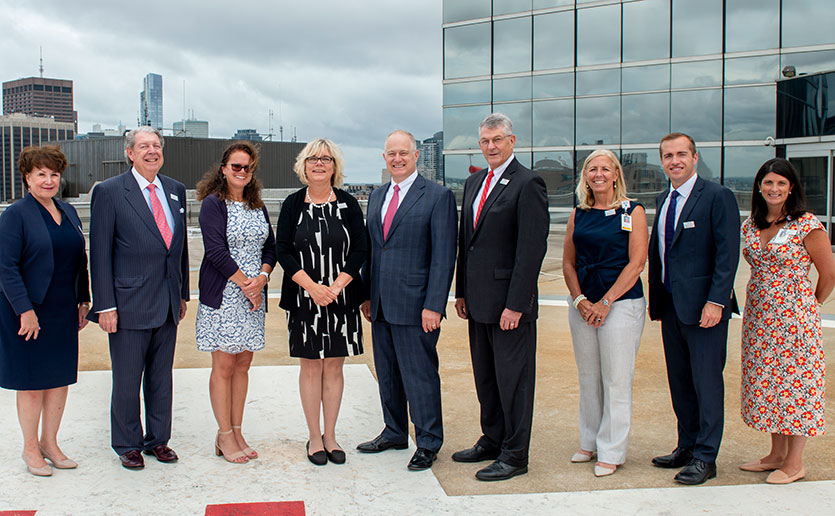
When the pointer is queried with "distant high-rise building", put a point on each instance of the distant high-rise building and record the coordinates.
(192, 128)
(247, 134)
(150, 101)
(42, 97)
(431, 163)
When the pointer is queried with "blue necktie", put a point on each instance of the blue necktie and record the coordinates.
(669, 233)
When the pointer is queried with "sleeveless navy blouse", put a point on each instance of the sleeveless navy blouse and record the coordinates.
(602, 251)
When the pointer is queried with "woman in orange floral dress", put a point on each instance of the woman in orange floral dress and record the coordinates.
(783, 366)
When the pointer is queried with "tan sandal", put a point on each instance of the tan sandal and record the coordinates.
(249, 452)
(235, 458)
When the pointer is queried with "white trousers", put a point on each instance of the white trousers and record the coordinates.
(605, 359)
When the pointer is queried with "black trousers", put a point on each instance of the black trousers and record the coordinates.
(504, 367)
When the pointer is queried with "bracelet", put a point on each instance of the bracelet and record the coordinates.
(578, 299)
(266, 274)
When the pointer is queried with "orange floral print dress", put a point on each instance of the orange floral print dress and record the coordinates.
(783, 367)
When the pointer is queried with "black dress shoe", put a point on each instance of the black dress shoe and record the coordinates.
(320, 458)
(422, 459)
(379, 444)
(500, 471)
(678, 459)
(697, 472)
(477, 453)
(163, 453)
(132, 460)
(335, 456)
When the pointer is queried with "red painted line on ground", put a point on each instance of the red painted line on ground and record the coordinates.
(20, 513)
(250, 509)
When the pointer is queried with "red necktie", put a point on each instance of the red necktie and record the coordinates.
(159, 216)
(395, 199)
(483, 197)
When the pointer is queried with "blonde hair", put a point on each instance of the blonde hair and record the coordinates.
(585, 197)
(317, 147)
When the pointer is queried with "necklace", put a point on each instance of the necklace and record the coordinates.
(307, 195)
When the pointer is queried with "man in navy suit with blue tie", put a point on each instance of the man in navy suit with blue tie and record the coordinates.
(139, 277)
(412, 228)
(693, 256)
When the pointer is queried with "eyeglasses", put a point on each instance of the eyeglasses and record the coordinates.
(326, 160)
(237, 167)
(498, 140)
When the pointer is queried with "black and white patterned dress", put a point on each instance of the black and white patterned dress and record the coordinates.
(322, 243)
(233, 327)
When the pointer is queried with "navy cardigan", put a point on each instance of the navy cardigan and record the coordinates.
(286, 247)
(26, 259)
(218, 265)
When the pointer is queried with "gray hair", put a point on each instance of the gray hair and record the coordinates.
(130, 137)
(494, 120)
(407, 134)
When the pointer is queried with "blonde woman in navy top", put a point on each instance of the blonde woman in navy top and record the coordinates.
(605, 251)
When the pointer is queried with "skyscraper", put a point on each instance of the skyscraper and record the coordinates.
(430, 163)
(42, 97)
(150, 101)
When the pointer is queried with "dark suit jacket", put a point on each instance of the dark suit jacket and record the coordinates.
(703, 259)
(412, 269)
(130, 267)
(499, 261)
(218, 266)
(26, 259)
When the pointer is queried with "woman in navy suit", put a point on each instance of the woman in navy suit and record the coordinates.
(43, 277)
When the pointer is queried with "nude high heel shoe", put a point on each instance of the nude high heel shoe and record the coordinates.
(235, 458)
(38, 471)
(60, 464)
(249, 452)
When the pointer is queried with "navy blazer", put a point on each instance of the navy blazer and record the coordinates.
(703, 258)
(26, 256)
(218, 265)
(131, 269)
(499, 261)
(285, 246)
(412, 269)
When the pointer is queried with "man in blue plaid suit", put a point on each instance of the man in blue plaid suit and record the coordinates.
(412, 228)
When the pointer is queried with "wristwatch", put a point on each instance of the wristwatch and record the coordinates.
(265, 273)
(605, 302)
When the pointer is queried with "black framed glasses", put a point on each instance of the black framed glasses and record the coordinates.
(326, 160)
(237, 167)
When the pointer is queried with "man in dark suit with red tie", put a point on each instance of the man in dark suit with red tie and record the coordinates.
(693, 255)
(501, 244)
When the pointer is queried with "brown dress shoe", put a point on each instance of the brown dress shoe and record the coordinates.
(163, 453)
(132, 460)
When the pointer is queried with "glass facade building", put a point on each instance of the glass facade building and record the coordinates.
(575, 76)
(150, 101)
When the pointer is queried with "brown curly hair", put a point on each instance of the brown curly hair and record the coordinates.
(215, 183)
(48, 156)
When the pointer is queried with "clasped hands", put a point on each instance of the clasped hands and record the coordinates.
(593, 313)
(323, 295)
(252, 288)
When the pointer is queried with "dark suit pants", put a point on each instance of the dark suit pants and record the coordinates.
(504, 367)
(406, 361)
(695, 359)
(143, 357)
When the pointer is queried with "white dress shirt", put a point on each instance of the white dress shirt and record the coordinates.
(497, 174)
(404, 189)
(143, 187)
(684, 192)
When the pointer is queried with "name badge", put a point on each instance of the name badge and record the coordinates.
(341, 205)
(609, 213)
(174, 197)
(689, 224)
(626, 222)
(625, 205)
(182, 210)
(504, 181)
(783, 235)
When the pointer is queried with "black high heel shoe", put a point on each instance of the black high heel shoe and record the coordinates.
(320, 458)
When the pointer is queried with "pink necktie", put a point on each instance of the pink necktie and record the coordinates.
(483, 197)
(159, 216)
(395, 199)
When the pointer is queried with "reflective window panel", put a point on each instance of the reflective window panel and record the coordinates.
(557, 169)
(752, 25)
(697, 113)
(455, 11)
(598, 121)
(520, 115)
(806, 106)
(553, 123)
(644, 78)
(555, 85)
(808, 22)
(466, 92)
(523, 157)
(646, 30)
(458, 167)
(598, 35)
(741, 165)
(709, 167)
(597, 82)
(512, 45)
(697, 27)
(461, 126)
(812, 171)
(466, 50)
(645, 118)
(553, 40)
(516, 88)
(752, 69)
(510, 6)
(750, 112)
(644, 176)
(545, 4)
(697, 74)
(809, 62)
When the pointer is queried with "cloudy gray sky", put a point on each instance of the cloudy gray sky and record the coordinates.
(351, 71)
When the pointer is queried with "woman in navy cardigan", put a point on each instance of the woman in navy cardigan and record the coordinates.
(239, 254)
(46, 295)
